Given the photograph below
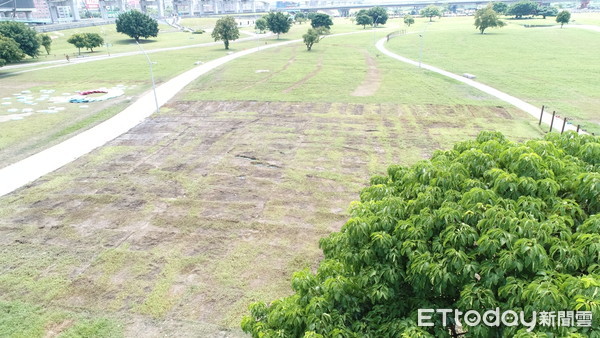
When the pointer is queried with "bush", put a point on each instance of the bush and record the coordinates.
(490, 223)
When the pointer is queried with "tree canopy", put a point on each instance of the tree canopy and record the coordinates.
(77, 40)
(226, 30)
(86, 40)
(489, 224)
(408, 20)
(9, 51)
(563, 17)
(261, 25)
(299, 17)
(379, 15)
(499, 7)
(364, 20)
(137, 25)
(46, 41)
(278, 23)
(321, 20)
(522, 8)
(23, 35)
(431, 11)
(487, 18)
(310, 38)
(545, 11)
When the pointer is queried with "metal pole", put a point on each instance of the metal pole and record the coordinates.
(552, 122)
(374, 26)
(541, 114)
(563, 127)
(577, 129)
(151, 75)
(421, 50)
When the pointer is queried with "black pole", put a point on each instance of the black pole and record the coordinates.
(552, 122)
(541, 114)
(563, 127)
(577, 129)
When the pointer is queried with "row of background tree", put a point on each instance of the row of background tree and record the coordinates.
(17, 41)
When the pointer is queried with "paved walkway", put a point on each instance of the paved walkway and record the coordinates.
(524, 106)
(588, 27)
(23, 172)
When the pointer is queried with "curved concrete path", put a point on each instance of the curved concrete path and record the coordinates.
(524, 106)
(23, 172)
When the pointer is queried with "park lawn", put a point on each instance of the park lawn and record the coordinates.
(21, 138)
(176, 226)
(117, 42)
(291, 73)
(543, 66)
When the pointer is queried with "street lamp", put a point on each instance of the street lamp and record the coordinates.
(422, 36)
(375, 25)
(151, 75)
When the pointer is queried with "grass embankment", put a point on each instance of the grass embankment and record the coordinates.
(543, 66)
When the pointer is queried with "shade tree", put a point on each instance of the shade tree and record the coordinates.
(137, 25)
(226, 30)
(488, 224)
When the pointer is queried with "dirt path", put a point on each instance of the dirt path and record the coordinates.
(372, 80)
(306, 78)
(524, 106)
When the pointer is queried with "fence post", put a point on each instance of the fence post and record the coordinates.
(577, 129)
(541, 115)
(563, 127)
(552, 122)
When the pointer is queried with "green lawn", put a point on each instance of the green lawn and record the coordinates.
(176, 226)
(20, 138)
(118, 42)
(544, 66)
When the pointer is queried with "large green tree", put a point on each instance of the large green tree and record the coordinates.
(9, 51)
(299, 17)
(488, 224)
(364, 20)
(310, 38)
(379, 15)
(46, 41)
(563, 17)
(261, 25)
(487, 18)
(77, 40)
(522, 8)
(226, 30)
(408, 20)
(278, 23)
(93, 40)
(545, 11)
(321, 20)
(499, 7)
(137, 25)
(431, 11)
(23, 35)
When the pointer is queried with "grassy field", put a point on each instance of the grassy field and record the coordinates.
(547, 66)
(118, 42)
(20, 138)
(176, 226)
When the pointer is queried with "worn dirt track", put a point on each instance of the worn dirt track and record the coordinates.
(174, 227)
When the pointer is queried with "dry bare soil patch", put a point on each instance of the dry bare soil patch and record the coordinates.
(176, 226)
